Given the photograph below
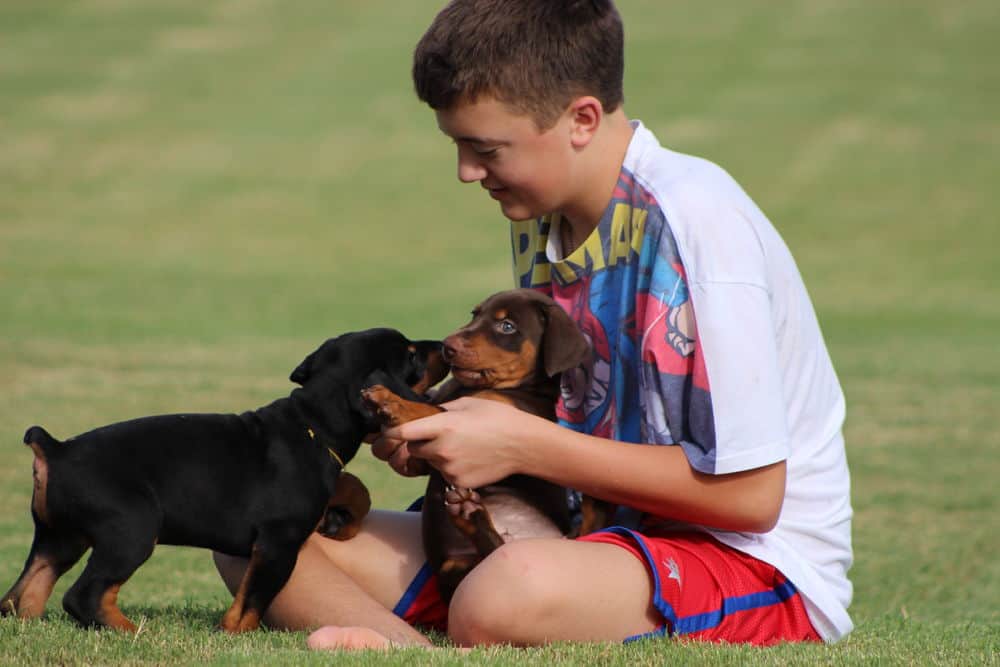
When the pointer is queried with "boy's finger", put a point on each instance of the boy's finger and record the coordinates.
(463, 403)
(426, 428)
(402, 462)
(383, 448)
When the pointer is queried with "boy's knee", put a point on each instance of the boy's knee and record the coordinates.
(505, 592)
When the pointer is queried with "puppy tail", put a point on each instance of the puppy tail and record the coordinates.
(37, 438)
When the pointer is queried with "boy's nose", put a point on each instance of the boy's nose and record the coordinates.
(470, 172)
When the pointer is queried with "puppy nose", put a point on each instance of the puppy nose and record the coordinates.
(448, 352)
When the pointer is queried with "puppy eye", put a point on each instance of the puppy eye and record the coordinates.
(506, 327)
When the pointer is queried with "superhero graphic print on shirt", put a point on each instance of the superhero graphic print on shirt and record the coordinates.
(626, 289)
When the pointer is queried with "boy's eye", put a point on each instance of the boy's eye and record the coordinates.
(487, 152)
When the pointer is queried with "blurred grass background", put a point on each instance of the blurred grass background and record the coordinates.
(195, 194)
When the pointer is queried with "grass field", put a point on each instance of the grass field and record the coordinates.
(194, 194)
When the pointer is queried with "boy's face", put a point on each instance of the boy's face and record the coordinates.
(529, 172)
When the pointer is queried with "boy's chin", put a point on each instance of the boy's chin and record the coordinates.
(516, 213)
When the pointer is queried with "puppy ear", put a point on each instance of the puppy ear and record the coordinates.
(563, 346)
(302, 372)
(314, 363)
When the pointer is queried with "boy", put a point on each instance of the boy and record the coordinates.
(711, 412)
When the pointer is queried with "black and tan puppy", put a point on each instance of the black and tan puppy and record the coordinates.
(254, 484)
(514, 350)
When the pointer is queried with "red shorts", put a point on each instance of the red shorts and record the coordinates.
(703, 589)
(421, 604)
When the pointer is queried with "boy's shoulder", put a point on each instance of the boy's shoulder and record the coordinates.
(674, 174)
(718, 229)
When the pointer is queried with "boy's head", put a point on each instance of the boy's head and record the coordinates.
(535, 56)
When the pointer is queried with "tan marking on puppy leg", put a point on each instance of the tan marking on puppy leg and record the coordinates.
(393, 410)
(249, 621)
(231, 620)
(109, 613)
(35, 589)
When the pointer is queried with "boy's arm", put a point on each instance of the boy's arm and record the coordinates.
(658, 479)
(479, 442)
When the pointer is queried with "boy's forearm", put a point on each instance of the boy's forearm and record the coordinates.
(659, 480)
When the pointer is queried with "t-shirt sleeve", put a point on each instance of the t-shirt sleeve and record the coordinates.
(709, 369)
(737, 344)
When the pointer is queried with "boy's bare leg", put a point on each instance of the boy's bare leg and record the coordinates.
(533, 592)
(353, 584)
(529, 592)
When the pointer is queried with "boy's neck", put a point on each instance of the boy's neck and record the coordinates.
(602, 163)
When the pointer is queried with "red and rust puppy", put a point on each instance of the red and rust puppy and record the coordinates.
(514, 350)
(254, 484)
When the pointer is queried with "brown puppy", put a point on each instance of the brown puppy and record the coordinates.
(514, 350)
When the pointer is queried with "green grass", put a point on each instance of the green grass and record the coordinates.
(194, 194)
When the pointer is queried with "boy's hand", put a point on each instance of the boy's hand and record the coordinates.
(396, 453)
(476, 442)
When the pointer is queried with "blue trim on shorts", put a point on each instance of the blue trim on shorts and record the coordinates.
(661, 605)
(425, 572)
(413, 590)
(712, 619)
(417, 505)
(655, 634)
(704, 621)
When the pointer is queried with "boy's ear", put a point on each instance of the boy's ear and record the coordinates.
(586, 114)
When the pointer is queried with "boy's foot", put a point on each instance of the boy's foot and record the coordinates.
(335, 638)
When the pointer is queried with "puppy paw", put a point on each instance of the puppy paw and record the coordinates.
(469, 515)
(391, 410)
(462, 503)
(387, 407)
(8, 606)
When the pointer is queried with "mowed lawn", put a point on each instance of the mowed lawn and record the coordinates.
(195, 194)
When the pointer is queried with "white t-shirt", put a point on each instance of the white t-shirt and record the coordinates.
(704, 336)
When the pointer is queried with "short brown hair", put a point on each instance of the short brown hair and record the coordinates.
(535, 55)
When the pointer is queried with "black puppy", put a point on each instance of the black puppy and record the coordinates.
(252, 485)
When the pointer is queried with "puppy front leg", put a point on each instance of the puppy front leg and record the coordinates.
(272, 560)
(465, 508)
(393, 410)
